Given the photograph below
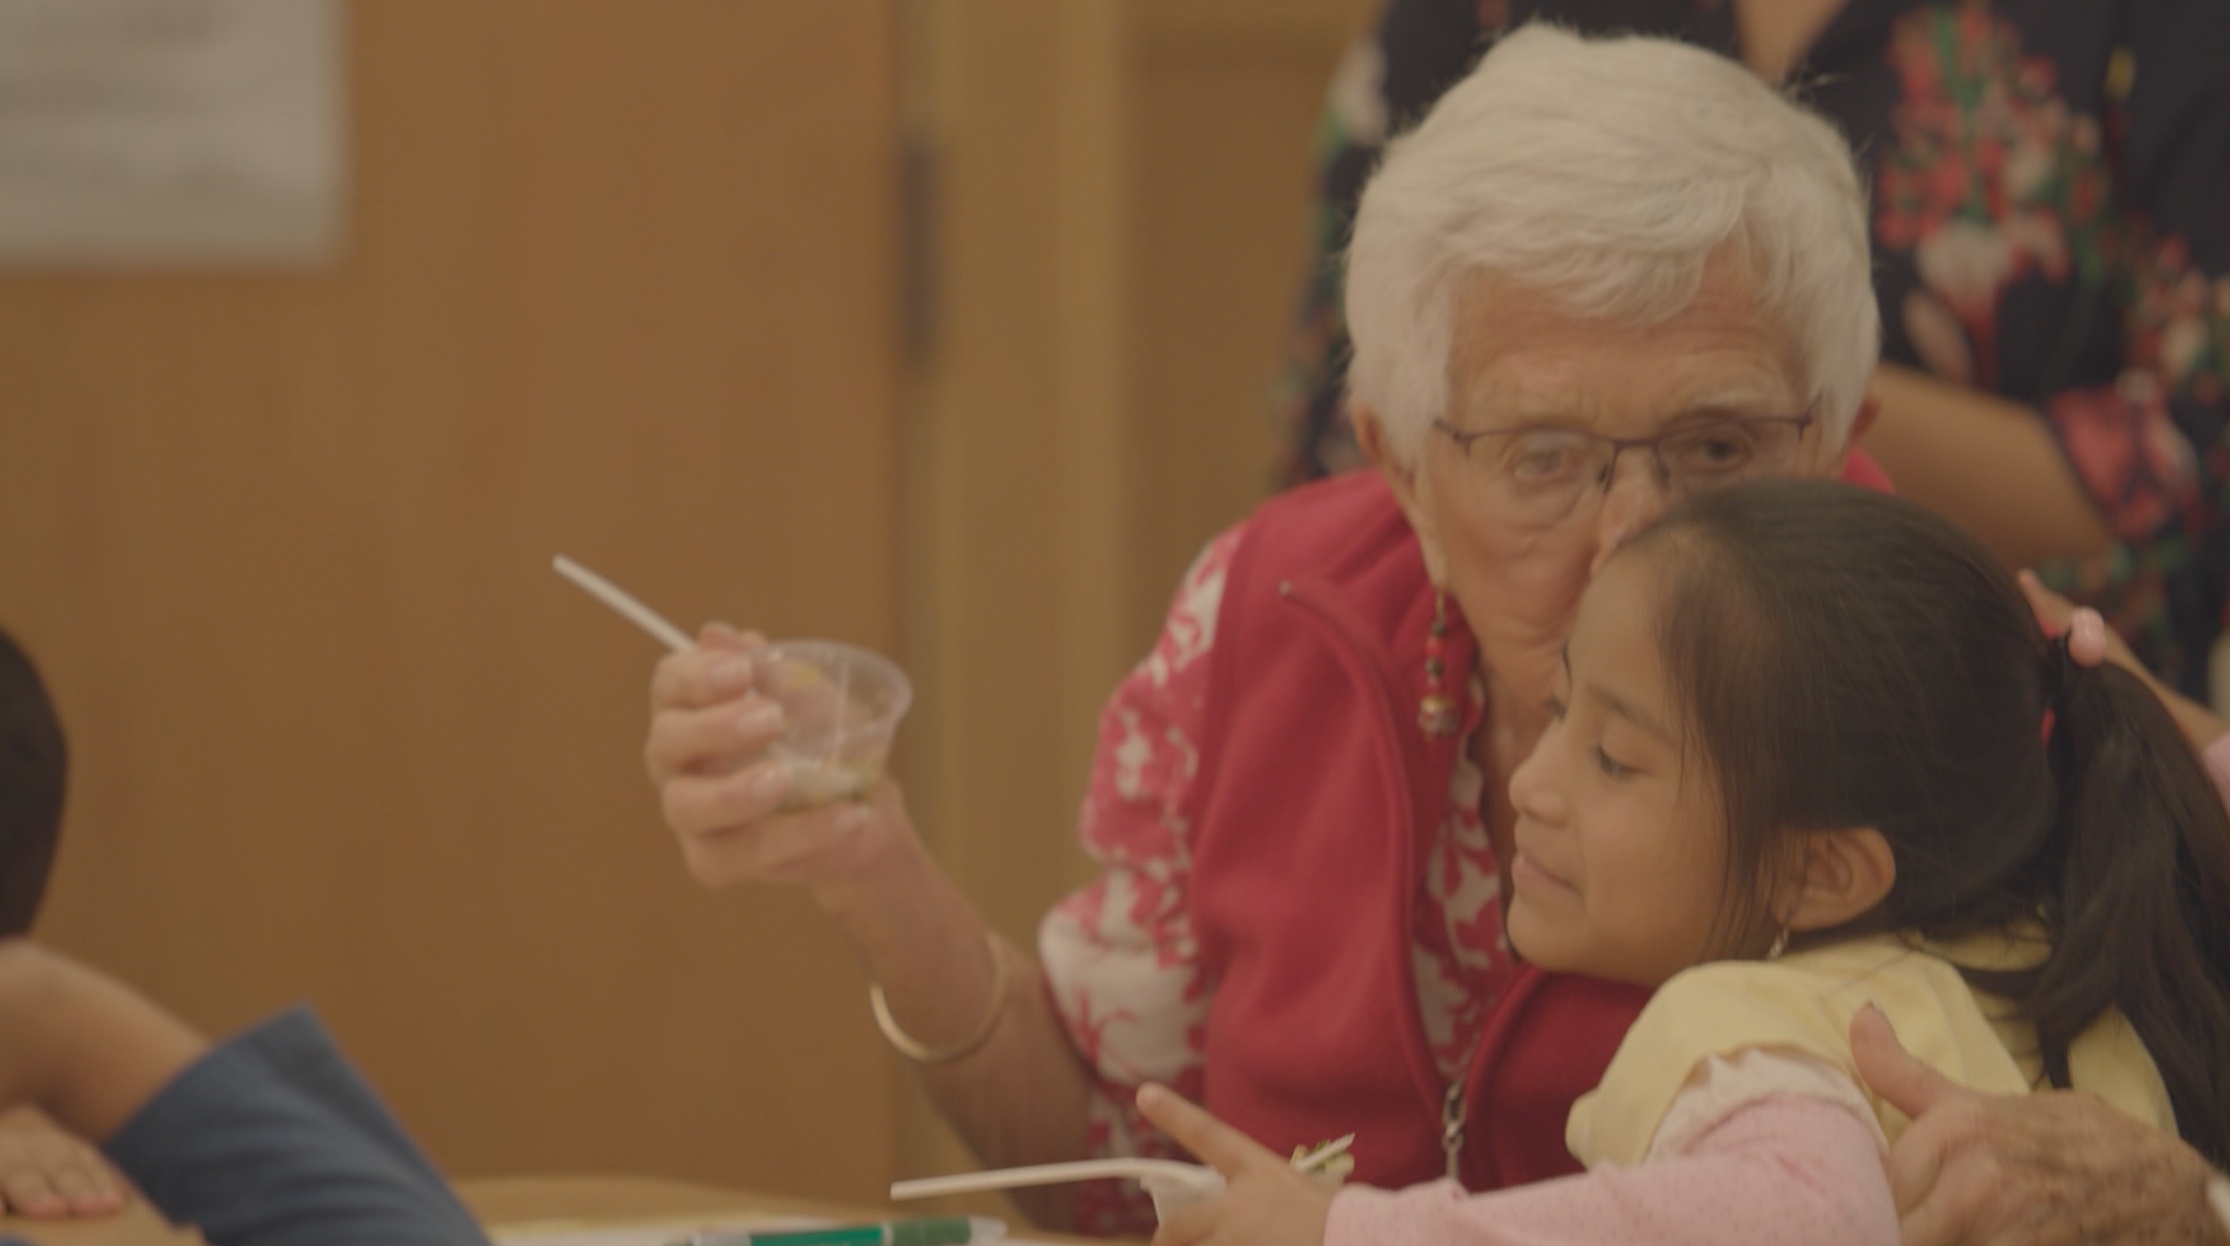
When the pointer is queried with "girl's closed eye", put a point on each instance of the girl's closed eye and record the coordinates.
(1612, 767)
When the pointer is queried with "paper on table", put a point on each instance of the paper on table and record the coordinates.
(666, 1233)
(599, 1237)
(639, 1232)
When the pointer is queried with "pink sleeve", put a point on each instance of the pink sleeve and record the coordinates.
(1120, 959)
(2217, 757)
(1780, 1170)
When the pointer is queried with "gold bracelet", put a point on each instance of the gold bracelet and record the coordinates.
(921, 1053)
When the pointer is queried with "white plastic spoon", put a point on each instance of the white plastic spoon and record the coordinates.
(618, 599)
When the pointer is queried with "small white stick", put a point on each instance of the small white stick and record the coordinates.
(1191, 1176)
(1325, 1154)
(632, 610)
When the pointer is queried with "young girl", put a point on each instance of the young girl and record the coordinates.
(1819, 761)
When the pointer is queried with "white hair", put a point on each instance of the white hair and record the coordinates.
(1601, 174)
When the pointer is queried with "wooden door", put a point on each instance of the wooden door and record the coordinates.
(1122, 189)
(620, 284)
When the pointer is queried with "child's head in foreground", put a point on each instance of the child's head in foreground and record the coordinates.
(1797, 711)
(33, 767)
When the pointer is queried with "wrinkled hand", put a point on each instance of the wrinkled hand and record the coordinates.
(721, 794)
(1264, 1203)
(47, 1174)
(2046, 1169)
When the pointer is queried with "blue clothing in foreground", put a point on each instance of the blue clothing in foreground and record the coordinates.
(272, 1139)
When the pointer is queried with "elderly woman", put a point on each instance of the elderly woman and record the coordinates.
(1598, 276)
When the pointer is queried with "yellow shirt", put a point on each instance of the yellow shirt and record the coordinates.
(1803, 1004)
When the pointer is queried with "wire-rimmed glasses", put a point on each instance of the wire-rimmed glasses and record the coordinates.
(1539, 474)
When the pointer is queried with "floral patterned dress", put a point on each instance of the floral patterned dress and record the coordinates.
(2051, 211)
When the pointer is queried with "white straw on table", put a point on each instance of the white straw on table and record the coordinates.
(632, 610)
(1173, 1171)
(1168, 1171)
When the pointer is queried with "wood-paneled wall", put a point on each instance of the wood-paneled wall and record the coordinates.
(1227, 103)
(620, 284)
(1122, 193)
(623, 285)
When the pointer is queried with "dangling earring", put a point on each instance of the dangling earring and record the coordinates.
(1436, 713)
(1780, 945)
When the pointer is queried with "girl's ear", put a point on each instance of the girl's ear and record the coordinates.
(1845, 874)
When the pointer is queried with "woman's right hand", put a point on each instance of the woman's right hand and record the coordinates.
(2091, 643)
(721, 793)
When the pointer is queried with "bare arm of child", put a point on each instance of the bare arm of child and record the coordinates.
(1781, 1169)
(270, 1139)
(82, 1047)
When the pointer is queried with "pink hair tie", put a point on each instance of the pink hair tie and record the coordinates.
(2086, 637)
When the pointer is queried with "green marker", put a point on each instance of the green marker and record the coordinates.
(922, 1231)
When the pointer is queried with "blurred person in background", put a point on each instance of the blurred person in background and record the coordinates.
(2050, 214)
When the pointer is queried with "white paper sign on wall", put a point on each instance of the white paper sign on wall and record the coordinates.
(172, 132)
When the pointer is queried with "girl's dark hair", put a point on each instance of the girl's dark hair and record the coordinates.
(33, 766)
(1849, 659)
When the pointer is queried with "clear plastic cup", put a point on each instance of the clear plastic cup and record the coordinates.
(843, 704)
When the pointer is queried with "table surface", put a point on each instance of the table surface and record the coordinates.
(498, 1201)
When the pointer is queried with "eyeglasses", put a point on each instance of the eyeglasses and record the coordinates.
(1539, 474)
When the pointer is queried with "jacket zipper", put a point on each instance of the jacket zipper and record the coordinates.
(1454, 1111)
